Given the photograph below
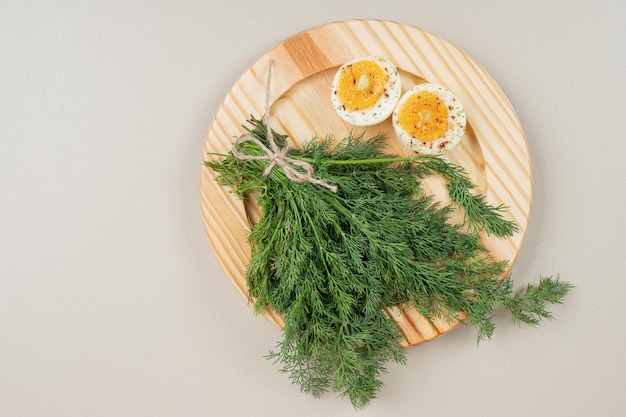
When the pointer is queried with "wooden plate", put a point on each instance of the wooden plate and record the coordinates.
(493, 149)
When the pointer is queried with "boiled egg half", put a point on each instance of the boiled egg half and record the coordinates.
(429, 119)
(365, 90)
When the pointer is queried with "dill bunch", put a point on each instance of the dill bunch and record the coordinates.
(329, 262)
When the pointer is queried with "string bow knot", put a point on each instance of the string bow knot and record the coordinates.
(276, 155)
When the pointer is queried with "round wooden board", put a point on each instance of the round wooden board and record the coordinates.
(493, 150)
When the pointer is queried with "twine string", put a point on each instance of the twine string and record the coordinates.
(277, 156)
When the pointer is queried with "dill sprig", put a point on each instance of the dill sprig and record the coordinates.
(329, 262)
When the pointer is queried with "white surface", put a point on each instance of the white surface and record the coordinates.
(111, 300)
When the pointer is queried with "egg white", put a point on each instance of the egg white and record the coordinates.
(456, 121)
(382, 108)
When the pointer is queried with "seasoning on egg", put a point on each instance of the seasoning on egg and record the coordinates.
(365, 90)
(429, 119)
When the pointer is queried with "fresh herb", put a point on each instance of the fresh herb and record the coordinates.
(329, 262)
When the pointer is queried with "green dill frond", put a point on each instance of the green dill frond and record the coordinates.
(529, 306)
(479, 215)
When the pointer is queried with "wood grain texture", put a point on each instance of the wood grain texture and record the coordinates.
(493, 149)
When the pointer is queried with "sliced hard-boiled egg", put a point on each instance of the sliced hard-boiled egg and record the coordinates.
(365, 90)
(429, 119)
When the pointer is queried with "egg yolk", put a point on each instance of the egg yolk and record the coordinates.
(360, 85)
(424, 116)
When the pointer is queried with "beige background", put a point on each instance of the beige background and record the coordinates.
(111, 300)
